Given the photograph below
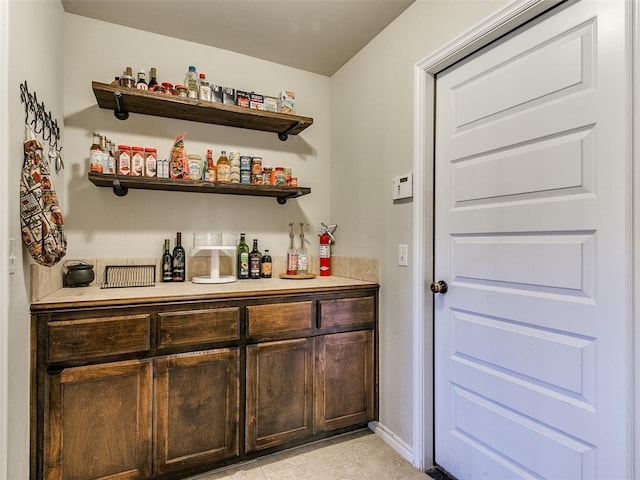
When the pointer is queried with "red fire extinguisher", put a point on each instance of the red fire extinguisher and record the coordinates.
(326, 238)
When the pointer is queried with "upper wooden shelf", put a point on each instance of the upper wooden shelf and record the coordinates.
(121, 185)
(172, 106)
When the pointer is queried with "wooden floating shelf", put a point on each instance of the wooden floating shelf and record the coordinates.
(122, 183)
(123, 100)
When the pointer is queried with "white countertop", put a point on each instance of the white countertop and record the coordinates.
(191, 291)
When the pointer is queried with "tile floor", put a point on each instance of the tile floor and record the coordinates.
(360, 455)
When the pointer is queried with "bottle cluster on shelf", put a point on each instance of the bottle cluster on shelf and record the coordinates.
(196, 86)
(297, 258)
(252, 264)
(174, 263)
(134, 160)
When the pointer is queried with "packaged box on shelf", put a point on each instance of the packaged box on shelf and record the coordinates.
(270, 104)
(242, 98)
(257, 101)
(229, 96)
(287, 102)
(217, 93)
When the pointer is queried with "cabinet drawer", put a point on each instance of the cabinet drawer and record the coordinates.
(97, 337)
(279, 317)
(198, 326)
(347, 311)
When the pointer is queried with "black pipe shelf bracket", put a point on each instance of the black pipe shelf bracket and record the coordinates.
(120, 112)
(283, 136)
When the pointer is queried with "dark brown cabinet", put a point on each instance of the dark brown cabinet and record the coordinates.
(172, 387)
(196, 404)
(344, 380)
(99, 422)
(279, 393)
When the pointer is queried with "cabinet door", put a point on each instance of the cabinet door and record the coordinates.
(196, 409)
(344, 380)
(99, 422)
(279, 393)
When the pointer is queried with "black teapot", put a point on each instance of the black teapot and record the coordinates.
(78, 275)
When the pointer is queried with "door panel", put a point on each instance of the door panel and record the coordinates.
(532, 236)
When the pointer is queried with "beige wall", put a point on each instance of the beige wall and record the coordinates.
(362, 137)
(103, 225)
(372, 108)
(35, 55)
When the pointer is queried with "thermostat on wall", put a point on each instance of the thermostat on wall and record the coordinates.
(402, 187)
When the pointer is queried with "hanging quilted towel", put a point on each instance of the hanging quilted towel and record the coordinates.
(40, 215)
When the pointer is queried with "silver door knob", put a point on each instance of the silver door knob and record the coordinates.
(439, 287)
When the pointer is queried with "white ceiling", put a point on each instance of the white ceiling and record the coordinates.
(314, 35)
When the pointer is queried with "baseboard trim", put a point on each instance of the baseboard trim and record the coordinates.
(393, 441)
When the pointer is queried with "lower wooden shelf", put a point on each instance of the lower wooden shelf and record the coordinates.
(121, 185)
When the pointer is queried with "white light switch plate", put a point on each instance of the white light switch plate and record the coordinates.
(403, 255)
(402, 187)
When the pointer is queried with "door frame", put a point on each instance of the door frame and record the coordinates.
(505, 20)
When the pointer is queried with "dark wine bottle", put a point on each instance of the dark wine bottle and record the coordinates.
(243, 258)
(167, 262)
(179, 260)
(254, 260)
(266, 265)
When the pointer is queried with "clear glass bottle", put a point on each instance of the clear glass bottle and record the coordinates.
(303, 263)
(95, 155)
(105, 154)
(204, 90)
(167, 262)
(223, 168)
(112, 158)
(243, 258)
(255, 258)
(179, 260)
(191, 82)
(292, 254)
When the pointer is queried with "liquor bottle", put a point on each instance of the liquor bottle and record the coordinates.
(254, 260)
(141, 84)
(95, 155)
(243, 258)
(167, 263)
(266, 265)
(292, 255)
(223, 168)
(153, 81)
(179, 260)
(303, 263)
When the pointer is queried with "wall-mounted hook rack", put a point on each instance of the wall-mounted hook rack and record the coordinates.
(43, 121)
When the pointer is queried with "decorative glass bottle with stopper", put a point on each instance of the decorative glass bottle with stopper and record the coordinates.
(303, 263)
(292, 254)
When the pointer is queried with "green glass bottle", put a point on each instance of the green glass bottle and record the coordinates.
(243, 258)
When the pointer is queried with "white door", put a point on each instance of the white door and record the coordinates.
(532, 234)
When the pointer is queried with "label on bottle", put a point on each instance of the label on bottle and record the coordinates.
(167, 270)
(243, 265)
(224, 173)
(266, 269)
(95, 161)
(178, 265)
(205, 93)
(302, 263)
(255, 266)
(292, 264)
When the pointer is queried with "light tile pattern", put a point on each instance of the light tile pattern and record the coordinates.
(360, 455)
